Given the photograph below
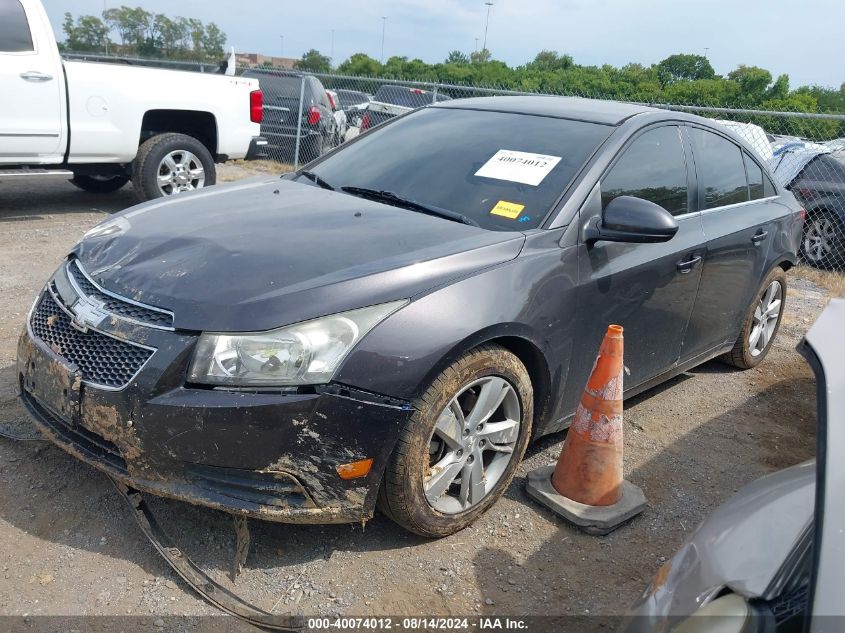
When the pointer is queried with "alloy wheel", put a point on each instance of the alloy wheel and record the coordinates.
(180, 171)
(472, 444)
(819, 239)
(765, 318)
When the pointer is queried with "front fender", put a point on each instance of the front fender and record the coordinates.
(531, 298)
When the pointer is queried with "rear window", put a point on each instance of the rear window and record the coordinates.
(408, 97)
(276, 85)
(351, 97)
(824, 168)
(14, 28)
(503, 170)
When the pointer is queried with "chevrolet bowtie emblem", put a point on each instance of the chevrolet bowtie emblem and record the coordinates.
(87, 312)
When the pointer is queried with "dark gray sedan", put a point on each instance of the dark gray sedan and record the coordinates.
(394, 324)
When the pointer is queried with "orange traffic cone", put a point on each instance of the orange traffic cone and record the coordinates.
(586, 486)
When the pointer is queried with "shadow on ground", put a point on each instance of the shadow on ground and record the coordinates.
(576, 572)
(55, 196)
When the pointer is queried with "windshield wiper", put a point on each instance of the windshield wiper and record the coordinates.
(389, 197)
(310, 175)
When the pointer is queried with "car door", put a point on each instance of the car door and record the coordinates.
(739, 210)
(649, 289)
(31, 106)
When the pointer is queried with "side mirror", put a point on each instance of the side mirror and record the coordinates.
(630, 219)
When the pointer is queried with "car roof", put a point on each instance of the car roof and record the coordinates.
(592, 110)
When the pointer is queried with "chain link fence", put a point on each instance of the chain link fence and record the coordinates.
(308, 114)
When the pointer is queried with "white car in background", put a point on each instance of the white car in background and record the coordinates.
(104, 124)
(753, 134)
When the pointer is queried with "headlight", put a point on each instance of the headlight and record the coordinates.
(306, 353)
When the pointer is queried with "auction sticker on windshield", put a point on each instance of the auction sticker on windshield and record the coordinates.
(509, 210)
(508, 164)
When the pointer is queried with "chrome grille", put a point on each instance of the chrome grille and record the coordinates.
(102, 360)
(121, 308)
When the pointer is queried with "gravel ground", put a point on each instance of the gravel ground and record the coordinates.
(70, 547)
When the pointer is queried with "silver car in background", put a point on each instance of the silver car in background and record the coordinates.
(772, 558)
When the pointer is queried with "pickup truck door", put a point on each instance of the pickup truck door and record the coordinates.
(31, 107)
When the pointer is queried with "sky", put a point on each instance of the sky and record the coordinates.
(803, 40)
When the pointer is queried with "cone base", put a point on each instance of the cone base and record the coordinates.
(597, 520)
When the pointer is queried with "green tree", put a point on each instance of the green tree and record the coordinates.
(88, 33)
(684, 67)
(213, 41)
(779, 89)
(196, 33)
(394, 67)
(480, 57)
(457, 57)
(314, 62)
(550, 60)
(172, 34)
(752, 81)
(360, 64)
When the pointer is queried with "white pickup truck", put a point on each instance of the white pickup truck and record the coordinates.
(103, 124)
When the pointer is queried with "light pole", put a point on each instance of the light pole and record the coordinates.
(476, 44)
(331, 57)
(383, 25)
(281, 46)
(486, 24)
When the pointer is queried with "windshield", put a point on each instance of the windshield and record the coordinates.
(277, 85)
(501, 170)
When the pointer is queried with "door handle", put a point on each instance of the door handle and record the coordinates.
(759, 237)
(688, 264)
(34, 75)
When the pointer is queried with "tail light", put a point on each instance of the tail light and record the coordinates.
(331, 101)
(256, 106)
(365, 122)
(313, 115)
(802, 214)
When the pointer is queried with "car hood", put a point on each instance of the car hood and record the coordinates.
(265, 253)
(741, 546)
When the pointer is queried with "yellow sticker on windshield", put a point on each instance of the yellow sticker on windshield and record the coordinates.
(510, 210)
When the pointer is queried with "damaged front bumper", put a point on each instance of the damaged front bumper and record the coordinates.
(269, 455)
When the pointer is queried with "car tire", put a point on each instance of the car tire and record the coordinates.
(761, 323)
(409, 490)
(823, 240)
(100, 184)
(188, 156)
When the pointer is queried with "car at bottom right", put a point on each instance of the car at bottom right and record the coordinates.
(772, 558)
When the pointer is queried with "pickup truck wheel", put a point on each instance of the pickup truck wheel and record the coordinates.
(170, 164)
(100, 184)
